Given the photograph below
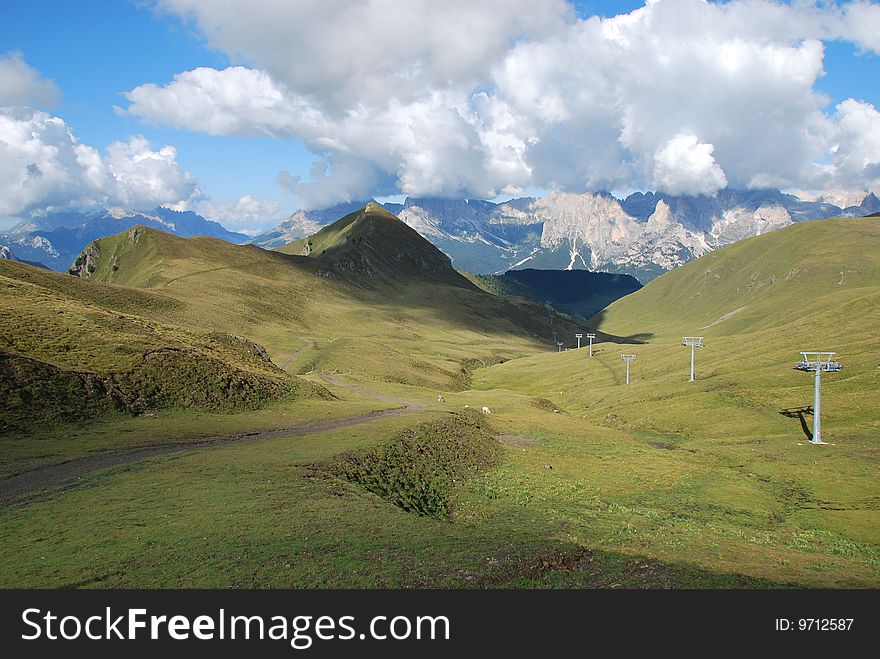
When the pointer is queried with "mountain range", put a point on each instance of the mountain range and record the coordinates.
(56, 239)
(643, 235)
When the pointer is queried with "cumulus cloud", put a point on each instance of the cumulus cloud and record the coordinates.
(22, 85)
(338, 178)
(235, 101)
(247, 215)
(140, 177)
(43, 166)
(686, 167)
(348, 52)
(855, 150)
(489, 98)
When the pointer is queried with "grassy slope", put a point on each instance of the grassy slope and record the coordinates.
(764, 282)
(415, 330)
(150, 291)
(71, 350)
(656, 484)
(720, 465)
(260, 516)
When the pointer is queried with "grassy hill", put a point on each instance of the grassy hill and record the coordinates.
(377, 299)
(574, 480)
(72, 349)
(729, 454)
(760, 283)
(813, 286)
(371, 242)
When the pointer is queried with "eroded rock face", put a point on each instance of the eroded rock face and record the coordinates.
(598, 233)
(738, 223)
(86, 262)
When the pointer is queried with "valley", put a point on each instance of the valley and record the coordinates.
(205, 414)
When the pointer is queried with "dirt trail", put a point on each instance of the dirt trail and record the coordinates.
(20, 487)
(309, 345)
(409, 404)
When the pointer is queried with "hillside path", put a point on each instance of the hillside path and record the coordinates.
(309, 345)
(414, 406)
(46, 482)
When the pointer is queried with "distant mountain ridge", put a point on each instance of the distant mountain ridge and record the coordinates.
(55, 239)
(643, 235)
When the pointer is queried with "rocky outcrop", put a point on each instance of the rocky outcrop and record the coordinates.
(87, 262)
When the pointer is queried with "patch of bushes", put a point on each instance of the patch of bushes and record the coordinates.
(418, 469)
(172, 378)
(34, 392)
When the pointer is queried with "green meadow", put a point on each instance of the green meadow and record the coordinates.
(573, 480)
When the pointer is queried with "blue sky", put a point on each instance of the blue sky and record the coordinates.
(95, 50)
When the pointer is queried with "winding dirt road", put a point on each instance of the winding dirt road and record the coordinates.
(35, 483)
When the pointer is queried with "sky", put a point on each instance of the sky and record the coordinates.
(246, 111)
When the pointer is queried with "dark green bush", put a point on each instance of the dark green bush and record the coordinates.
(418, 468)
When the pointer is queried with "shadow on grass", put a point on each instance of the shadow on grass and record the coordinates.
(593, 568)
(640, 338)
(800, 414)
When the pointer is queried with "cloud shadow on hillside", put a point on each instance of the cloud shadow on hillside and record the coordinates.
(640, 338)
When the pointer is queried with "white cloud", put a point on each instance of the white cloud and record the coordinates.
(686, 167)
(142, 178)
(44, 166)
(487, 98)
(338, 178)
(235, 101)
(348, 52)
(860, 23)
(855, 151)
(247, 215)
(22, 85)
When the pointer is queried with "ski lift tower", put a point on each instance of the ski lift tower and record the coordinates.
(693, 342)
(579, 337)
(817, 362)
(591, 337)
(628, 359)
(559, 345)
